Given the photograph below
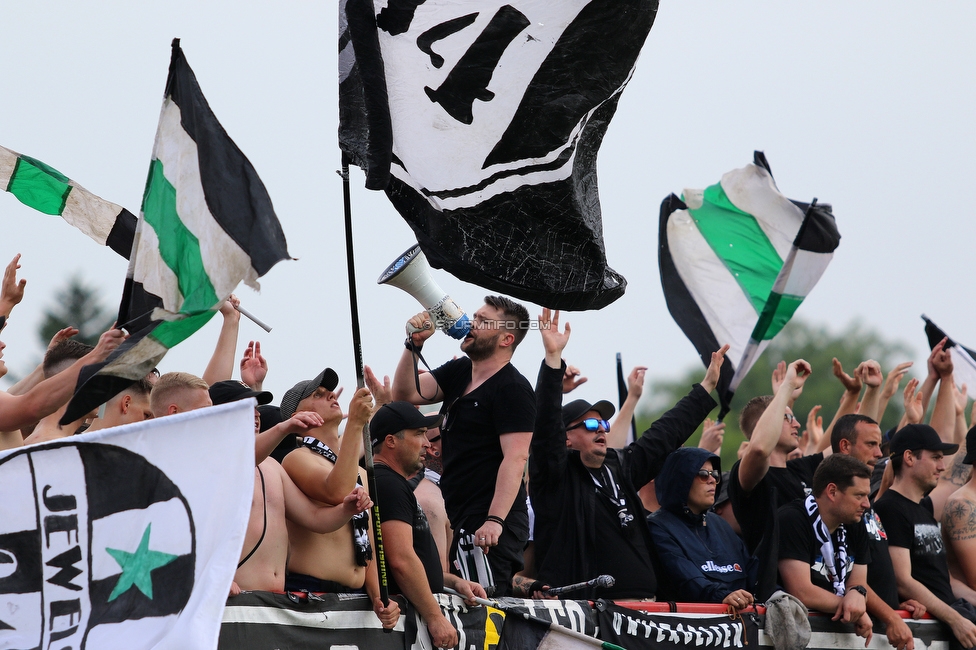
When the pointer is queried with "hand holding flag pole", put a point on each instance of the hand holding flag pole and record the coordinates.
(254, 319)
(357, 346)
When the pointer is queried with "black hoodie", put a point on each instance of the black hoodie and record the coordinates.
(702, 556)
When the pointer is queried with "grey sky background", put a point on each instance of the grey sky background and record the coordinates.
(867, 106)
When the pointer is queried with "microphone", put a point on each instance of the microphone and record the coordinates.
(599, 581)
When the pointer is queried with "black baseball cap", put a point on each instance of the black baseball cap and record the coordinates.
(915, 437)
(577, 408)
(327, 379)
(397, 416)
(231, 390)
(970, 447)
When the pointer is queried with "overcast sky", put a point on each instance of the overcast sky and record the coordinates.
(868, 106)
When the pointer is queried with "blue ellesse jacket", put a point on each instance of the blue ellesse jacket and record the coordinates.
(704, 559)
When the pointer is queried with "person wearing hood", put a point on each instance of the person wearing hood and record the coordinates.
(589, 520)
(702, 557)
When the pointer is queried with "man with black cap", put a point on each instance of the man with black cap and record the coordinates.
(399, 437)
(327, 471)
(959, 522)
(588, 518)
(914, 539)
(276, 498)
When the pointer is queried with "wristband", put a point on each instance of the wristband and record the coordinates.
(495, 518)
(408, 344)
(860, 589)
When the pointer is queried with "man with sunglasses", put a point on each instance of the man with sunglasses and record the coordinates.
(589, 519)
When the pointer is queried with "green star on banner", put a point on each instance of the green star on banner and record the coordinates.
(137, 567)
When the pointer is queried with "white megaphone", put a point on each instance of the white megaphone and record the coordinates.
(411, 272)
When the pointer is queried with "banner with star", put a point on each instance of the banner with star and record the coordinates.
(118, 538)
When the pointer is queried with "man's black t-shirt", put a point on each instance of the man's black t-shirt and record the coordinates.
(911, 525)
(798, 542)
(399, 504)
(780, 485)
(472, 452)
(881, 573)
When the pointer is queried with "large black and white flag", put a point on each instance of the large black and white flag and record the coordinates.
(118, 538)
(482, 121)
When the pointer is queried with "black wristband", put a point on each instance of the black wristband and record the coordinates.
(495, 518)
(860, 589)
(408, 344)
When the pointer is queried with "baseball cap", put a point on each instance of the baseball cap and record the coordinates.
(327, 379)
(919, 436)
(397, 416)
(970, 447)
(224, 392)
(575, 410)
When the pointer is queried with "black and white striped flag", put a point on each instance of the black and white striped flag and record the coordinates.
(482, 121)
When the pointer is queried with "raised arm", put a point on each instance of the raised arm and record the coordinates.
(870, 373)
(17, 411)
(11, 291)
(755, 461)
(221, 366)
(891, 384)
(548, 445)
(848, 401)
(617, 436)
(647, 454)
(254, 367)
(932, 378)
(944, 412)
(306, 468)
(404, 380)
(266, 441)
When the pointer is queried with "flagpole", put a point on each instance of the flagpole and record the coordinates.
(357, 345)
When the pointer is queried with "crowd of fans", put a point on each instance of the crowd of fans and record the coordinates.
(505, 490)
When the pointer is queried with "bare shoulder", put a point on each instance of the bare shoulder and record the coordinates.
(959, 516)
(303, 460)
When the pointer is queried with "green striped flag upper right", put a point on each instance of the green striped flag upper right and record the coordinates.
(737, 259)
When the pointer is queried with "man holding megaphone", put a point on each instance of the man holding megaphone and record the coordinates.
(489, 413)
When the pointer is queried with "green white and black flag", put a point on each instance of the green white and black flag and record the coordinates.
(40, 186)
(736, 261)
(116, 538)
(207, 223)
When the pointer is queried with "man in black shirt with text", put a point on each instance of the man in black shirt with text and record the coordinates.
(914, 538)
(489, 411)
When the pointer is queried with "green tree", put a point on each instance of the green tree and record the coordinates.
(798, 340)
(79, 305)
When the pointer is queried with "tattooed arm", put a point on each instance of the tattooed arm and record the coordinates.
(959, 532)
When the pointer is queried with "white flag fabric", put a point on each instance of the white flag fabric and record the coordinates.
(126, 537)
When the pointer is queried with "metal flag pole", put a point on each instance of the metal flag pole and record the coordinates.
(357, 345)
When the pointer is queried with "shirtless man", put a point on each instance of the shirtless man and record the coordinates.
(58, 359)
(131, 405)
(326, 472)
(18, 411)
(265, 550)
(959, 527)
